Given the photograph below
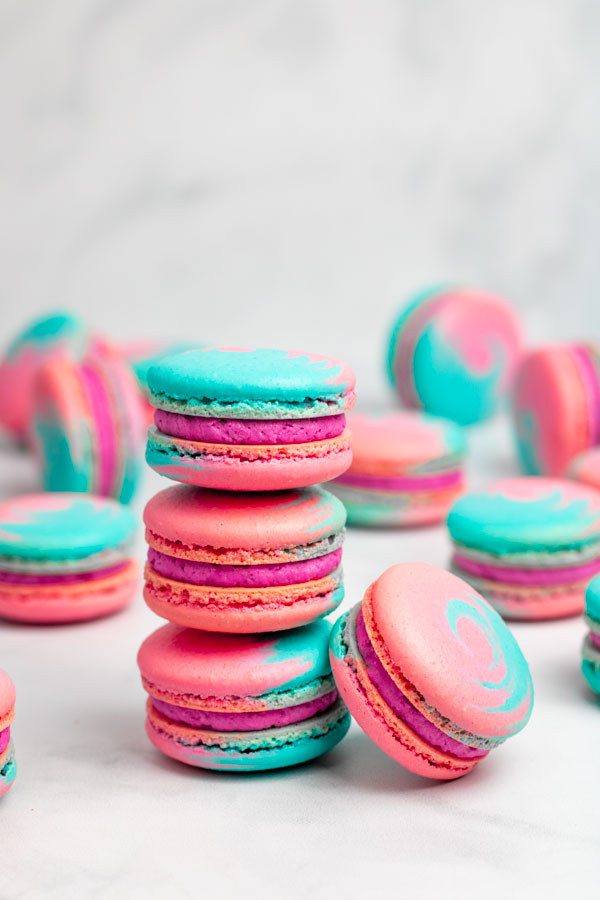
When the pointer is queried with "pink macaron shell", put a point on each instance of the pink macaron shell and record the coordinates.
(55, 604)
(586, 468)
(181, 520)
(239, 610)
(7, 700)
(395, 443)
(550, 410)
(249, 467)
(394, 738)
(446, 647)
(217, 672)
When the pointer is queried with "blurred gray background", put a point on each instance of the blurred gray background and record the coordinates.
(286, 172)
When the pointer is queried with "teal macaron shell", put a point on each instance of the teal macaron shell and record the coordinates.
(592, 601)
(527, 514)
(58, 326)
(68, 526)
(257, 383)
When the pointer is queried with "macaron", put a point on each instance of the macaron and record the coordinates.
(430, 671)
(87, 427)
(556, 406)
(590, 652)
(453, 351)
(8, 766)
(65, 557)
(243, 562)
(250, 420)
(585, 467)
(49, 337)
(407, 469)
(530, 545)
(241, 703)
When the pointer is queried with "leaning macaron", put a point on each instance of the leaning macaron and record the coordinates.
(556, 406)
(590, 652)
(243, 562)
(87, 425)
(52, 336)
(530, 545)
(8, 766)
(250, 420)
(65, 557)
(453, 352)
(241, 703)
(430, 671)
(407, 469)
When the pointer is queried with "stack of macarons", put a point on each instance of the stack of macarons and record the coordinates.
(244, 556)
(8, 766)
(407, 469)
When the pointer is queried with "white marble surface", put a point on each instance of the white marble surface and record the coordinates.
(282, 173)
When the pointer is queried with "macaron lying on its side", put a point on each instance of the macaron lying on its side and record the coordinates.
(250, 420)
(65, 557)
(407, 469)
(590, 653)
(530, 545)
(56, 335)
(430, 671)
(453, 351)
(88, 426)
(243, 562)
(556, 406)
(8, 766)
(241, 703)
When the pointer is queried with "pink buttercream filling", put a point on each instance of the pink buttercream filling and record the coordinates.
(59, 578)
(195, 572)
(402, 483)
(535, 577)
(4, 739)
(105, 429)
(250, 721)
(400, 704)
(595, 639)
(249, 431)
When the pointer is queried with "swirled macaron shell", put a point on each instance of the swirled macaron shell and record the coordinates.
(453, 351)
(237, 679)
(529, 544)
(87, 425)
(205, 548)
(8, 768)
(65, 557)
(261, 389)
(406, 468)
(450, 681)
(556, 407)
(52, 336)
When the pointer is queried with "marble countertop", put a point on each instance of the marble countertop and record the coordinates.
(96, 811)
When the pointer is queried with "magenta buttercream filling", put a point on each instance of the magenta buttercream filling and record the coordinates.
(249, 431)
(105, 429)
(402, 483)
(402, 706)
(534, 577)
(591, 379)
(60, 578)
(595, 639)
(269, 575)
(246, 721)
(4, 739)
